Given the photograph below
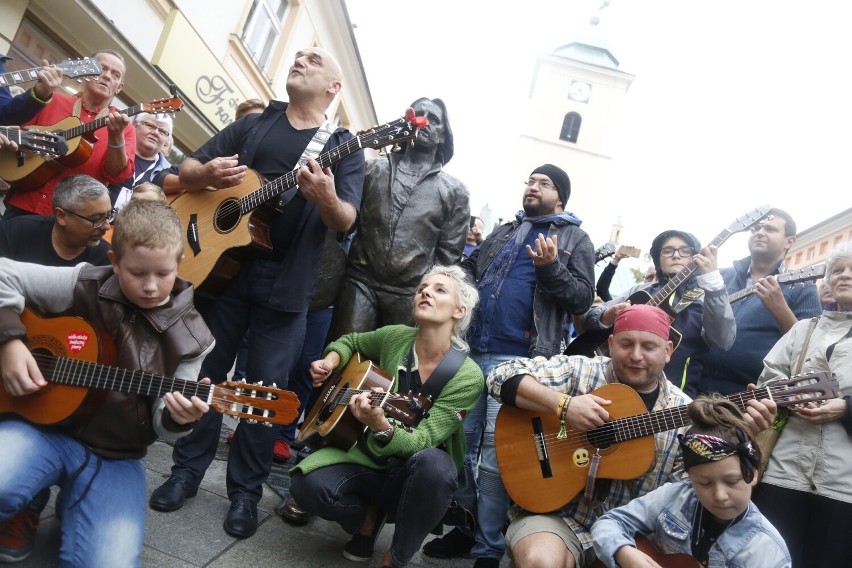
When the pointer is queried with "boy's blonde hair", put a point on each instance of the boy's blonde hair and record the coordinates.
(148, 188)
(146, 223)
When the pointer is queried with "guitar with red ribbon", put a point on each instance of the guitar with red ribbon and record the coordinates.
(594, 342)
(35, 170)
(330, 421)
(239, 216)
(75, 360)
(543, 472)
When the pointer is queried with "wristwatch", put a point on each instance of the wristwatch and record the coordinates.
(384, 436)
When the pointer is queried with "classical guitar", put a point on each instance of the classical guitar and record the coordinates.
(331, 423)
(543, 473)
(35, 141)
(80, 69)
(238, 216)
(593, 341)
(677, 560)
(813, 272)
(35, 171)
(75, 360)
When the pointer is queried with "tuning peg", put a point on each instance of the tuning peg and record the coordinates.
(250, 421)
(267, 424)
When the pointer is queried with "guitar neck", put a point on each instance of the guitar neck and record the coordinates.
(279, 185)
(682, 276)
(98, 123)
(77, 373)
(16, 77)
(641, 425)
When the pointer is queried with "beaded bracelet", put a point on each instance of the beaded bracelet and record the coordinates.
(563, 415)
(116, 145)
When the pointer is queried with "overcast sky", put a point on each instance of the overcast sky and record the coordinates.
(734, 104)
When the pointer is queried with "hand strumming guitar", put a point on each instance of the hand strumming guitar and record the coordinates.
(19, 372)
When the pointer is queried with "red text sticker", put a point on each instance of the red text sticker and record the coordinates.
(77, 340)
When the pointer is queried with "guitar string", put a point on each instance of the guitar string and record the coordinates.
(75, 372)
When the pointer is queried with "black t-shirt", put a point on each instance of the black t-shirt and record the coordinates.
(27, 239)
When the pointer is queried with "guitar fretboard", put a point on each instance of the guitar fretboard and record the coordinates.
(73, 372)
(279, 185)
(98, 123)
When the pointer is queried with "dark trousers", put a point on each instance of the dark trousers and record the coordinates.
(275, 341)
(815, 528)
(360, 308)
(415, 492)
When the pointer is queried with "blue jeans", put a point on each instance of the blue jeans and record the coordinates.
(492, 501)
(275, 341)
(415, 492)
(103, 500)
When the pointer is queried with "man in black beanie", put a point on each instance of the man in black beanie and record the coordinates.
(532, 273)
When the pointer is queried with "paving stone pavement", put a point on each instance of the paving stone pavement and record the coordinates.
(193, 536)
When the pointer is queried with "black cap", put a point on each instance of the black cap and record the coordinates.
(559, 178)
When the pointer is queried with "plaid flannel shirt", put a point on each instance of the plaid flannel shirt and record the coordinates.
(577, 375)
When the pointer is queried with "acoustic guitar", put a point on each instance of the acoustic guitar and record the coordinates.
(331, 423)
(604, 251)
(35, 141)
(35, 171)
(813, 272)
(542, 473)
(676, 560)
(75, 360)
(238, 216)
(80, 69)
(594, 341)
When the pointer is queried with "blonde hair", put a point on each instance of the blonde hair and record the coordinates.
(467, 296)
(148, 189)
(147, 223)
(247, 107)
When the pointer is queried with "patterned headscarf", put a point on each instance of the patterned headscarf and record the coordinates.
(703, 448)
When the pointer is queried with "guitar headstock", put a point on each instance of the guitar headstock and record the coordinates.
(163, 106)
(800, 389)
(750, 219)
(255, 402)
(407, 408)
(400, 130)
(802, 274)
(80, 69)
(605, 251)
(37, 141)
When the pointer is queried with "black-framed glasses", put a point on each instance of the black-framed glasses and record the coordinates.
(682, 251)
(99, 221)
(152, 126)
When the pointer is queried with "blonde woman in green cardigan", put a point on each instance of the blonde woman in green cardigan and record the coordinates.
(409, 474)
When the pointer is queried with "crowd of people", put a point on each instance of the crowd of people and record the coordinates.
(381, 259)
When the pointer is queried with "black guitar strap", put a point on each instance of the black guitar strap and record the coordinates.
(446, 370)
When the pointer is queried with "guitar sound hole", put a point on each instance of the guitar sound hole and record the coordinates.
(601, 438)
(227, 216)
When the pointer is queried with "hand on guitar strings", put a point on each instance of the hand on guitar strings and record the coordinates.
(19, 372)
(707, 259)
(630, 557)
(317, 184)
(186, 410)
(362, 408)
(223, 172)
(759, 414)
(49, 78)
(545, 251)
(822, 412)
(6, 143)
(587, 412)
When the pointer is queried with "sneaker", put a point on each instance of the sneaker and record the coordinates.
(17, 536)
(454, 544)
(281, 451)
(360, 547)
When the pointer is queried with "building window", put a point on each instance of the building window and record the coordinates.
(263, 29)
(823, 248)
(798, 258)
(811, 253)
(571, 127)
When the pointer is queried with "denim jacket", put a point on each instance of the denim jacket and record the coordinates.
(665, 517)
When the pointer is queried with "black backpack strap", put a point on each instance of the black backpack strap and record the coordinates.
(446, 370)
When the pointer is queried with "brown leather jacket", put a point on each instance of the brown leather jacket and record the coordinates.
(156, 340)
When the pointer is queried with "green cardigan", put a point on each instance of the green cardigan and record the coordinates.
(387, 347)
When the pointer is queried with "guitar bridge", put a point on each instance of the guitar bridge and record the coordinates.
(541, 448)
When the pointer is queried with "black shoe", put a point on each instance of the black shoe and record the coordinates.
(454, 544)
(360, 547)
(241, 520)
(171, 495)
(487, 563)
(292, 513)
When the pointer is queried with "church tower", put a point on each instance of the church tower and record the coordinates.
(573, 107)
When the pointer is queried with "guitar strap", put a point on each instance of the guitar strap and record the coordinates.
(312, 150)
(78, 108)
(688, 298)
(446, 370)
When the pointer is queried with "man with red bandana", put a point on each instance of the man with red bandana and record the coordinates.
(639, 348)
